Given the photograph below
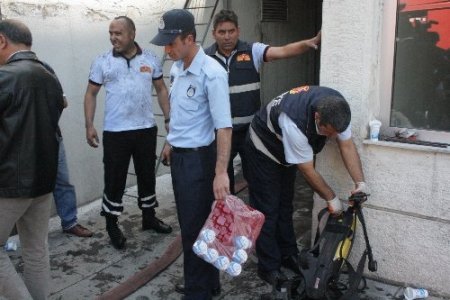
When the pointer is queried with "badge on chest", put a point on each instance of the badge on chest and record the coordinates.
(190, 92)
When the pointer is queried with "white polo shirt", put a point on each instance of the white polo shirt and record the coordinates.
(128, 85)
(297, 150)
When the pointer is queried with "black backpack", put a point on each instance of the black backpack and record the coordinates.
(322, 265)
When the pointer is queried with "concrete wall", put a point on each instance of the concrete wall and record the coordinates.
(409, 211)
(249, 14)
(68, 35)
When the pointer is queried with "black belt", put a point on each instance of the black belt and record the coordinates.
(187, 150)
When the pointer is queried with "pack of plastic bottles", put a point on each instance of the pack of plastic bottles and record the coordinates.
(229, 234)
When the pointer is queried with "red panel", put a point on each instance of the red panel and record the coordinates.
(434, 10)
(414, 5)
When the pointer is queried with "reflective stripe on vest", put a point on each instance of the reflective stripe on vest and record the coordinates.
(242, 120)
(260, 146)
(236, 89)
(269, 121)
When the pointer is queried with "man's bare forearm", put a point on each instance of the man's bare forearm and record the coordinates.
(223, 149)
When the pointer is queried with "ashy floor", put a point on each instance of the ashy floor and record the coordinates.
(84, 268)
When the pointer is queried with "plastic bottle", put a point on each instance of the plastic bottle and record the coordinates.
(222, 263)
(412, 293)
(211, 255)
(200, 248)
(234, 269)
(208, 235)
(11, 245)
(242, 242)
(240, 256)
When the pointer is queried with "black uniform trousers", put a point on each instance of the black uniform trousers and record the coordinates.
(271, 188)
(118, 148)
(237, 147)
(193, 174)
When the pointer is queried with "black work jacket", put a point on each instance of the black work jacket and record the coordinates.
(31, 102)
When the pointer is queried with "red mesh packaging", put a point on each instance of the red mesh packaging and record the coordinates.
(229, 234)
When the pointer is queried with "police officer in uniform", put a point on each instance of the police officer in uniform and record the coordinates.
(199, 105)
(284, 136)
(243, 61)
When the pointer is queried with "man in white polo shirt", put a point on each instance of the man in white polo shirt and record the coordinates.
(127, 72)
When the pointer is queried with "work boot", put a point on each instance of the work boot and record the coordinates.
(114, 232)
(291, 262)
(272, 277)
(150, 221)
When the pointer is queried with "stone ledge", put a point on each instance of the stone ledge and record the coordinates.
(421, 148)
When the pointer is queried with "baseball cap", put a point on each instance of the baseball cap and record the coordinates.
(173, 23)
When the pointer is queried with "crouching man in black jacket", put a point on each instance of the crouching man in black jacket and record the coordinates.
(31, 101)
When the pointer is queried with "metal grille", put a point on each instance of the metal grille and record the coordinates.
(274, 11)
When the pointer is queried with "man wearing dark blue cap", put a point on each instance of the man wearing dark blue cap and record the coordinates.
(200, 105)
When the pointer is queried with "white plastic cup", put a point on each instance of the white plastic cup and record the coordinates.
(240, 256)
(374, 130)
(222, 263)
(242, 242)
(200, 248)
(211, 255)
(208, 235)
(411, 293)
(234, 269)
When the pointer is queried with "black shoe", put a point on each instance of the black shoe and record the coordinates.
(152, 222)
(179, 288)
(272, 277)
(114, 232)
(291, 262)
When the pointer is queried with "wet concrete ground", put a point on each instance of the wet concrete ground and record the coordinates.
(84, 268)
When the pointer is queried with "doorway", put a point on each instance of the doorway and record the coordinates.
(304, 20)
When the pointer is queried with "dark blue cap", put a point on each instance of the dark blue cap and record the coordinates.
(172, 24)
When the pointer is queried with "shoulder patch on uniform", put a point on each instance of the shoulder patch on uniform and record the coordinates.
(299, 89)
(243, 57)
(145, 69)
